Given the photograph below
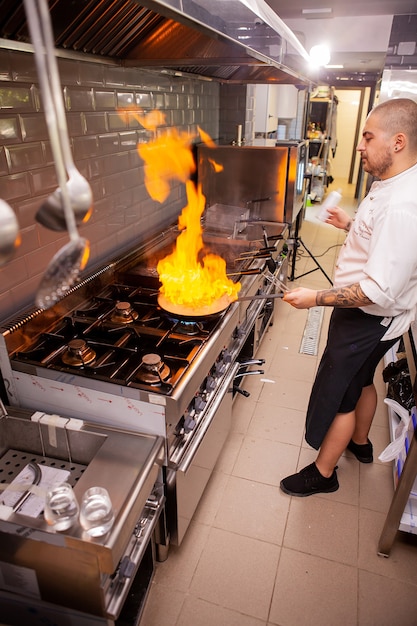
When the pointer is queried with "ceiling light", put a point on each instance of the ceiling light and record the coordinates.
(334, 67)
(320, 55)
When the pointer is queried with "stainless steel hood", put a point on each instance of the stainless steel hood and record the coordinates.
(236, 41)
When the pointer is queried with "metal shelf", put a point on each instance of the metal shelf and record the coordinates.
(402, 514)
(321, 111)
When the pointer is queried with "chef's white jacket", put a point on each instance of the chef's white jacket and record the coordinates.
(380, 251)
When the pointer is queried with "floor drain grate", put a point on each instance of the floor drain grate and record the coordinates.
(311, 335)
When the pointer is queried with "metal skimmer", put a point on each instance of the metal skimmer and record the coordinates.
(311, 335)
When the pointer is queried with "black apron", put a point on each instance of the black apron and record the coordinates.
(353, 351)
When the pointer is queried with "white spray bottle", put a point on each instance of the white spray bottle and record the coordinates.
(332, 200)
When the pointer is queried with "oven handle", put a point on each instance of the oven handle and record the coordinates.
(128, 566)
(251, 362)
(225, 387)
(249, 373)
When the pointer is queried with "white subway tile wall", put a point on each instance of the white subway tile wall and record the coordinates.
(104, 146)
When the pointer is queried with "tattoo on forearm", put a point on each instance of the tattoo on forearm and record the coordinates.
(343, 297)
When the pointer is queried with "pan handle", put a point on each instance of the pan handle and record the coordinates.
(255, 270)
(260, 296)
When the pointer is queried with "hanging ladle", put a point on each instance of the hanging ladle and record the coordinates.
(51, 213)
(9, 232)
(64, 268)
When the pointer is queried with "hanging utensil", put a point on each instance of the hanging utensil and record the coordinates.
(9, 232)
(51, 213)
(64, 268)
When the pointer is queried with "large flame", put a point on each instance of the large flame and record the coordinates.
(189, 277)
(168, 157)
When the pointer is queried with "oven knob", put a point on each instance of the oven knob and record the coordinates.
(239, 332)
(126, 568)
(189, 424)
(210, 383)
(220, 367)
(227, 356)
(199, 403)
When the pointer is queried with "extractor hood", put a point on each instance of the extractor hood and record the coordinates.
(234, 41)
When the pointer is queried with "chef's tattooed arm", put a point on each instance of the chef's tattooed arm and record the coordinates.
(343, 297)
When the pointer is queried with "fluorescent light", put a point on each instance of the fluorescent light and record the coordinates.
(334, 67)
(309, 11)
(317, 13)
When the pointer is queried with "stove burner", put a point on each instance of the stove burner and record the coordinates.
(78, 353)
(189, 327)
(124, 313)
(153, 370)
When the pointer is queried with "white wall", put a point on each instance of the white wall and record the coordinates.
(274, 104)
(347, 115)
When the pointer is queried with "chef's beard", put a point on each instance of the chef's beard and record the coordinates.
(378, 165)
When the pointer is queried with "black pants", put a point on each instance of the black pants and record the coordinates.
(353, 351)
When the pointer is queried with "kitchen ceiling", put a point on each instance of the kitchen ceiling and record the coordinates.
(357, 32)
(210, 38)
(222, 40)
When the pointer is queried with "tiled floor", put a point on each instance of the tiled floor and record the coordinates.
(256, 557)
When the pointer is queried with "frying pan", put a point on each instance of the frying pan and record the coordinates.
(183, 312)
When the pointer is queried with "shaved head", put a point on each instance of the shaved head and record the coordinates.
(398, 115)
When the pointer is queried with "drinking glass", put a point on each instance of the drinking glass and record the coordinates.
(61, 506)
(96, 514)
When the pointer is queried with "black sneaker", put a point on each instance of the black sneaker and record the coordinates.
(363, 452)
(309, 481)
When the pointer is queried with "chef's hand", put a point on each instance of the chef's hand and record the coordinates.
(301, 298)
(338, 218)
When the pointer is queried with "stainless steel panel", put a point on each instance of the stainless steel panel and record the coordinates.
(398, 83)
(187, 483)
(70, 568)
(250, 177)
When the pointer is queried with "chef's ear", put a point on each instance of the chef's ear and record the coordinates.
(399, 142)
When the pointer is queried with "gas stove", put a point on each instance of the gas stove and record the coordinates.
(109, 354)
(120, 336)
(109, 336)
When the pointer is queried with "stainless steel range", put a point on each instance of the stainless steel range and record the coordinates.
(108, 353)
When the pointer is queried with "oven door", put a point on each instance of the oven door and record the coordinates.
(188, 476)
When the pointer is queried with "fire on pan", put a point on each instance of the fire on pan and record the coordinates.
(185, 312)
(189, 278)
